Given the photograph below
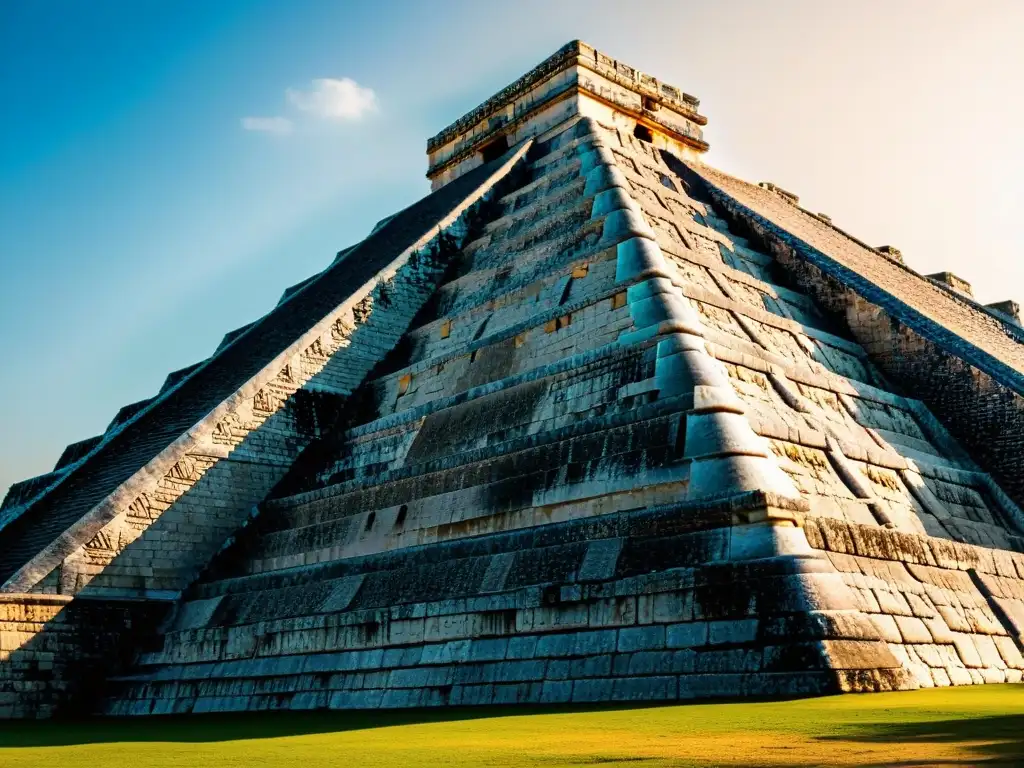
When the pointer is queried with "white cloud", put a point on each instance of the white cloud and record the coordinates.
(333, 99)
(278, 126)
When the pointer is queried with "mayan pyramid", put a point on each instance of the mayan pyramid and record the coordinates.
(592, 421)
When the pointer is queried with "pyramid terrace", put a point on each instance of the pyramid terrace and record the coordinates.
(591, 422)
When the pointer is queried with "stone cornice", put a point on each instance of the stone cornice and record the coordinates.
(644, 117)
(575, 53)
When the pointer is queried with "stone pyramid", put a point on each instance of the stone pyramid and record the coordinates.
(591, 422)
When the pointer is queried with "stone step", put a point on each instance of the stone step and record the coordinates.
(641, 441)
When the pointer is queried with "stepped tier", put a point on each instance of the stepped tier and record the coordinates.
(591, 422)
(526, 518)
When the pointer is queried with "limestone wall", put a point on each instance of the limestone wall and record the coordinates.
(855, 447)
(953, 614)
(641, 605)
(966, 364)
(55, 652)
(626, 607)
(543, 421)
(505, 522)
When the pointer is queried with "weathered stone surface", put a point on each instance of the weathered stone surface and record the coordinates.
(561, 432)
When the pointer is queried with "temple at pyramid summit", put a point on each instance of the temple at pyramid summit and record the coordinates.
(591, 422)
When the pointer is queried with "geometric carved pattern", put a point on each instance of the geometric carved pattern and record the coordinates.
(106, 545)
(340, 330)
(361, 311)
(143, 509)
(230, 431)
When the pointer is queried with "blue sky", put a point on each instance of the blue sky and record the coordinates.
(140, 220)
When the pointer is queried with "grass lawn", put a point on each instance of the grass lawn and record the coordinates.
(951, 726)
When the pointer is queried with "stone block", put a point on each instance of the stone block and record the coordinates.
(488, 649)
(454, 651)
(693, 634)
(638, 258)
(874, 680)
(402, 698)
(593, 643)
(591, 666)
(306, 700)
(702, 686)
(556, 645)
(671, 607)
(558, 669)
(392, 657)
(342, 595)
(613, 612)
(570, 593)
(993, 676)
(411, 656)
(966, 650)
(912, 629)
(497, 572)
(939, 631)
(725, 662)
(821, 625)
(623, 224)
(732, 632)
(472, 695)
(592, 690)
(641, 638)
(858, 654)
(196, 613)
(892, 603)
(522, 647)
(420, 677)
(988, 652)
(940, 677)
(645, 688)
(658, 662)
(600, 560)
(887, 627)
(1009, 652)
(520, 671)
(519, 693)
(556, 692)
(927, 653)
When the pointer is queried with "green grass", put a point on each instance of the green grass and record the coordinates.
(945, 727)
